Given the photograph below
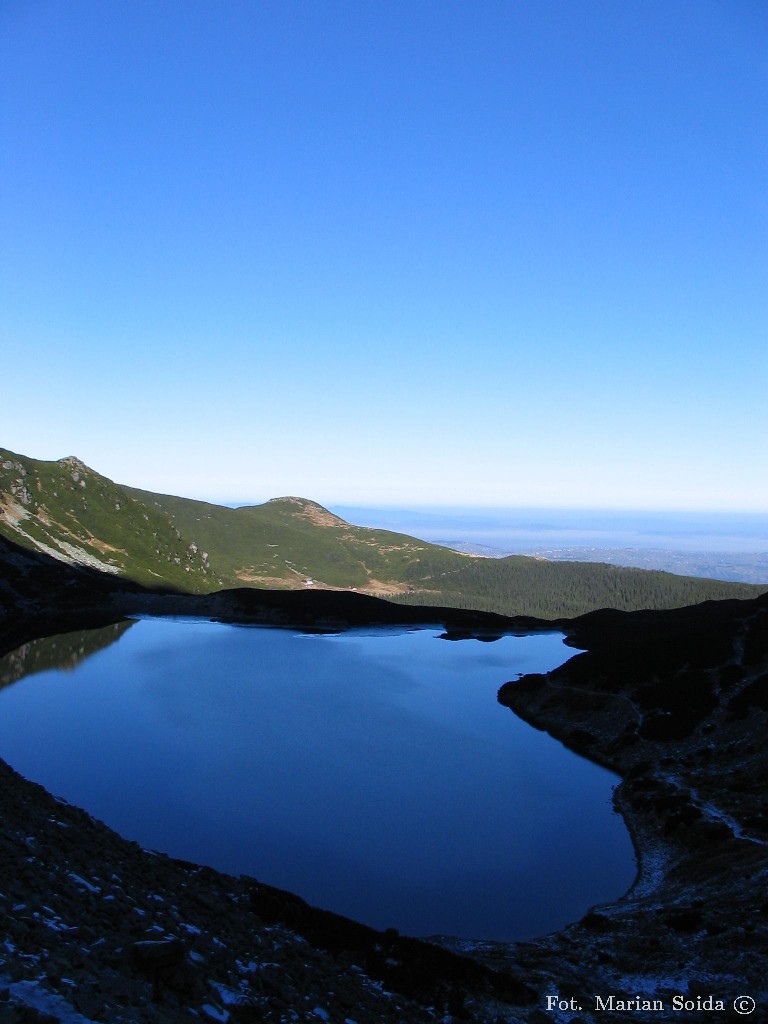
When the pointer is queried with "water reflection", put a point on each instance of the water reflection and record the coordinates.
(64, 651)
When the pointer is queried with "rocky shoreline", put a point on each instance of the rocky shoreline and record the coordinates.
(96, 929)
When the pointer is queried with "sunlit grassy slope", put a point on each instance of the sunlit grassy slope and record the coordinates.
(291, 540)
(66, 509)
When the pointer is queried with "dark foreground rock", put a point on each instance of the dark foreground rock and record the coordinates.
(93, 928)
(677, 704)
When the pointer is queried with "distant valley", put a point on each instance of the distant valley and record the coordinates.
(70, 511)
(731, 566)
(722, 546)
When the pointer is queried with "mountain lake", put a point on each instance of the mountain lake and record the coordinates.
(372, 772)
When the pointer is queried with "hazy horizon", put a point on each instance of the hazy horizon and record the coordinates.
(716, 545)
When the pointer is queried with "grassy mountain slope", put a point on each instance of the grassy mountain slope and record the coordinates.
(286, 541)
(67, 510)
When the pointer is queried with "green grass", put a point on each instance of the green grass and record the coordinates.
(281, 540)
(158, 539)
(66, 508)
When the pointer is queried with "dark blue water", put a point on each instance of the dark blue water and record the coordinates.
(374, 774)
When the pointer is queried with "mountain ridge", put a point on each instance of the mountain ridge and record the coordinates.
(70, 511)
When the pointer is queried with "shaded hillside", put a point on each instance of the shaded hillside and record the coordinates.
(42, 596)
(564, 589)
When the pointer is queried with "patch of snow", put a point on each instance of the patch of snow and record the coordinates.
(653, 868)
(31, 994)
(650, 985)
(214, 1013)
(79, 880)
(228, 996)
(321, 1013)
(711, 812)
(252, 966)
(55, 923)
(715, 814)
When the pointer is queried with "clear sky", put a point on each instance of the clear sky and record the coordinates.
(503, 253)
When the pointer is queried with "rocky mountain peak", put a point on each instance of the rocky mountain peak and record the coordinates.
(72, 462)
(309, 510)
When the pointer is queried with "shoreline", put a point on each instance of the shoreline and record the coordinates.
(692, 922)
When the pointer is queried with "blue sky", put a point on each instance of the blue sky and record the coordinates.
(388, 253)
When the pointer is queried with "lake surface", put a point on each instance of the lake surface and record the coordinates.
(374, 773)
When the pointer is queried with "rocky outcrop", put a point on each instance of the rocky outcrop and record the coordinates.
(677, 704)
